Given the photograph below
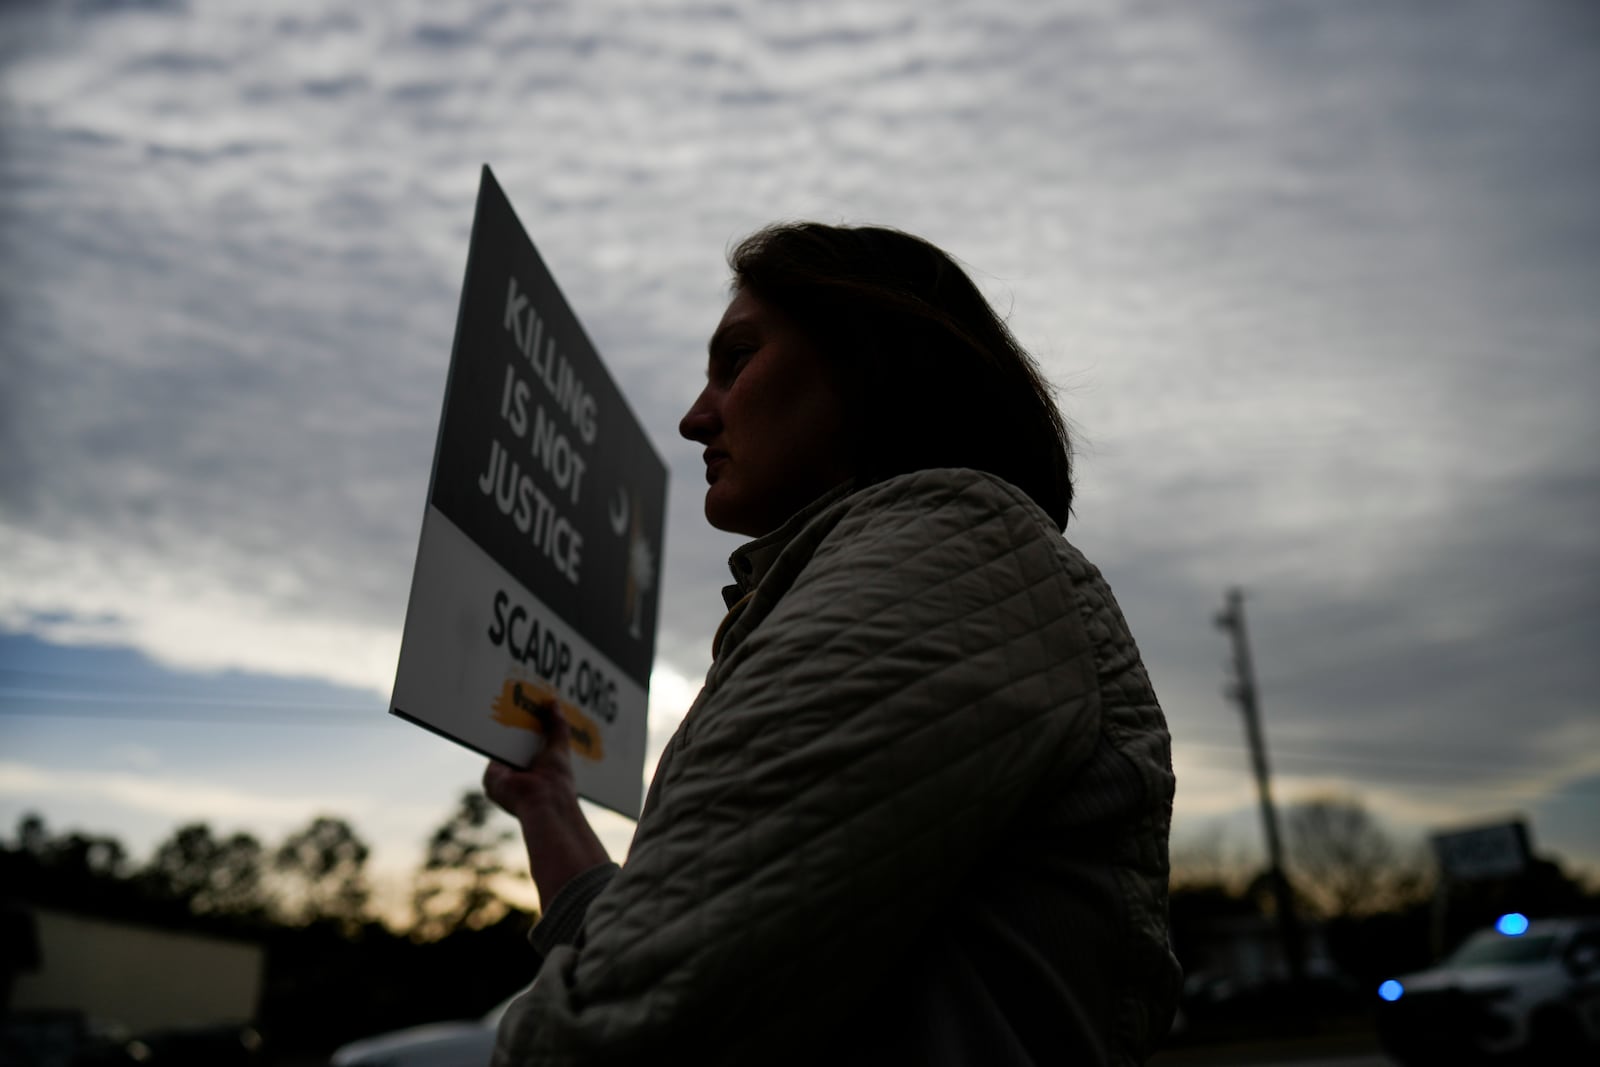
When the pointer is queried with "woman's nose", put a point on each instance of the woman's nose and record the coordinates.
(700, 422)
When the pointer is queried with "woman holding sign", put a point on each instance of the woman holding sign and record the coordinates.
(919, 812)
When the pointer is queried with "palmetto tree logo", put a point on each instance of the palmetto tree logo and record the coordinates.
(641, 563)
(641, 577)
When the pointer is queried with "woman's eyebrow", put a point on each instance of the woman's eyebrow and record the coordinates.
(721, 336)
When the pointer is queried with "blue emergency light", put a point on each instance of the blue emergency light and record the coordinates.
(1512, 924)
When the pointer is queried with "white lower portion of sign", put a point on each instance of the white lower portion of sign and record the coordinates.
(482, 658)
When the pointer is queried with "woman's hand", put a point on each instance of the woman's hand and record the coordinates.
(543, 798)
(546, 783)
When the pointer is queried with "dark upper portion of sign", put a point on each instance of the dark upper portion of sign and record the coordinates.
(589, 447)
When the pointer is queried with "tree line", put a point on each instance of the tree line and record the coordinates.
(1345, 866)
(316, 876)
(335, 968)
(1367, 902)
(336, 971)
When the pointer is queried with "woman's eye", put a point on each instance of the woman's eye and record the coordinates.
(731, 361)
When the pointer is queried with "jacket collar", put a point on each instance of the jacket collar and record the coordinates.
(751, 561)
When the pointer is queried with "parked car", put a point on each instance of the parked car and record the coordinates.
(1217, 998)
(71, 1038)
(226, 1045)
(1521, 988)
(467, 1043)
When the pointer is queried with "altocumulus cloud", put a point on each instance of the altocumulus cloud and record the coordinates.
(1317, 282)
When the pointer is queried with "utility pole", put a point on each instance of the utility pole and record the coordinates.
(1242, 691)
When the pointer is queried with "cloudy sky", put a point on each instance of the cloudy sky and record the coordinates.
(1317, 283)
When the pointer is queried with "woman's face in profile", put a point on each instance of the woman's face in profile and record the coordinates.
(771, 418)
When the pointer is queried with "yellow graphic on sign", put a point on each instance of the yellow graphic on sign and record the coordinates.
(517, 706)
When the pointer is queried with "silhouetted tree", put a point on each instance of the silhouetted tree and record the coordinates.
(1208, 861)
(454, 887)
(75, 852)
(210, 875)
(323, 872)
(1346, 863)
(73, 869)
(177, 868)
(32, 837)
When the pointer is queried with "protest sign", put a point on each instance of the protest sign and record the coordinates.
(540, 556)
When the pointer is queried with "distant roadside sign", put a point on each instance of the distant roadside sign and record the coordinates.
(539, 559)
(1483, 852)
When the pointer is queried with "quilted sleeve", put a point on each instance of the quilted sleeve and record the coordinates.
(563, 917)
(858, 751)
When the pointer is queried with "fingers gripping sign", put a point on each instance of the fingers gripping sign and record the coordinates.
(543, 798)
(547, 782)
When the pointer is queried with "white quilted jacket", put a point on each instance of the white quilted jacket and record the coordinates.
(918, 814)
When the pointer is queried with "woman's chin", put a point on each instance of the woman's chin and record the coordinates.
(730, 513)
(721, 512)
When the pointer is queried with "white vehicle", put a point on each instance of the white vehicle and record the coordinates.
(1519, 988)
(459, 1044)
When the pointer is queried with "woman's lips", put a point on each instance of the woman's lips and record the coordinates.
(714, 462)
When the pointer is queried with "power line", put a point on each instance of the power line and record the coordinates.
(134, 698)
(347, 720)
(228, 714)
(1348, 760)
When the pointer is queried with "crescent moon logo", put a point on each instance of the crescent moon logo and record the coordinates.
(618, 513)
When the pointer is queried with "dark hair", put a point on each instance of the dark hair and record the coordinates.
(932, 376)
